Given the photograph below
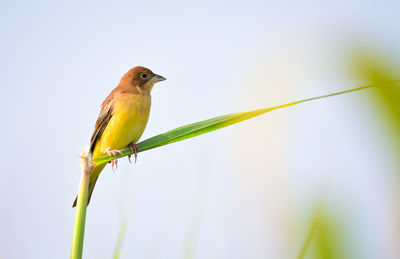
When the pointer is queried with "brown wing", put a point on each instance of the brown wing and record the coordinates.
(102, 121)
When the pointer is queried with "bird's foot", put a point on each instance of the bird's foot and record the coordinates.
(113, 154)
(135, 149)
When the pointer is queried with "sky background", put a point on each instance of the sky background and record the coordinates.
(247, 191)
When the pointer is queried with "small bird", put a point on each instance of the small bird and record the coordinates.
(122, 120)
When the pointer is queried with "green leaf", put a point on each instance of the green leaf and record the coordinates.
(206, 126)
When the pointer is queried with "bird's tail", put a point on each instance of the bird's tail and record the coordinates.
(94, 174)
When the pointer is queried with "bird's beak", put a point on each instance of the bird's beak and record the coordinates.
(157, 78)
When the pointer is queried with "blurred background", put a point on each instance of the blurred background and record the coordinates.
(253, 190)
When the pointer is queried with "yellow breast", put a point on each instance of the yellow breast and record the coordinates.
(129, 119)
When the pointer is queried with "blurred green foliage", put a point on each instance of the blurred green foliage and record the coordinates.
(120, 240)
(328, 239)
(325, 237)
(371, 67)
(326, 233)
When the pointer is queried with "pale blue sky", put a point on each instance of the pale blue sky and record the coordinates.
(242, 192)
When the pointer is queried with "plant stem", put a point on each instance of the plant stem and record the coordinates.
(80, 216)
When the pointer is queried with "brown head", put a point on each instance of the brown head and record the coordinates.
(140, 77)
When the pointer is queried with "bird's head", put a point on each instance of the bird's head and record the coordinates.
(142, 78)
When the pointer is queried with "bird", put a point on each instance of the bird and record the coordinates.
(122, 119)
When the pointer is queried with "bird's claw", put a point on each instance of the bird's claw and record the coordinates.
(135, 149)
(113, 154)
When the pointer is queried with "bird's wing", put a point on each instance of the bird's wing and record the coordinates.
(102, 121)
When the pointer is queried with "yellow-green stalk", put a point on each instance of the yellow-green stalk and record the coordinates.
(80, 215)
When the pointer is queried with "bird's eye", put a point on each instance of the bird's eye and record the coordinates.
(143, 75)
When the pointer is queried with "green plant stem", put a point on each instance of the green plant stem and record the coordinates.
(80, 217)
